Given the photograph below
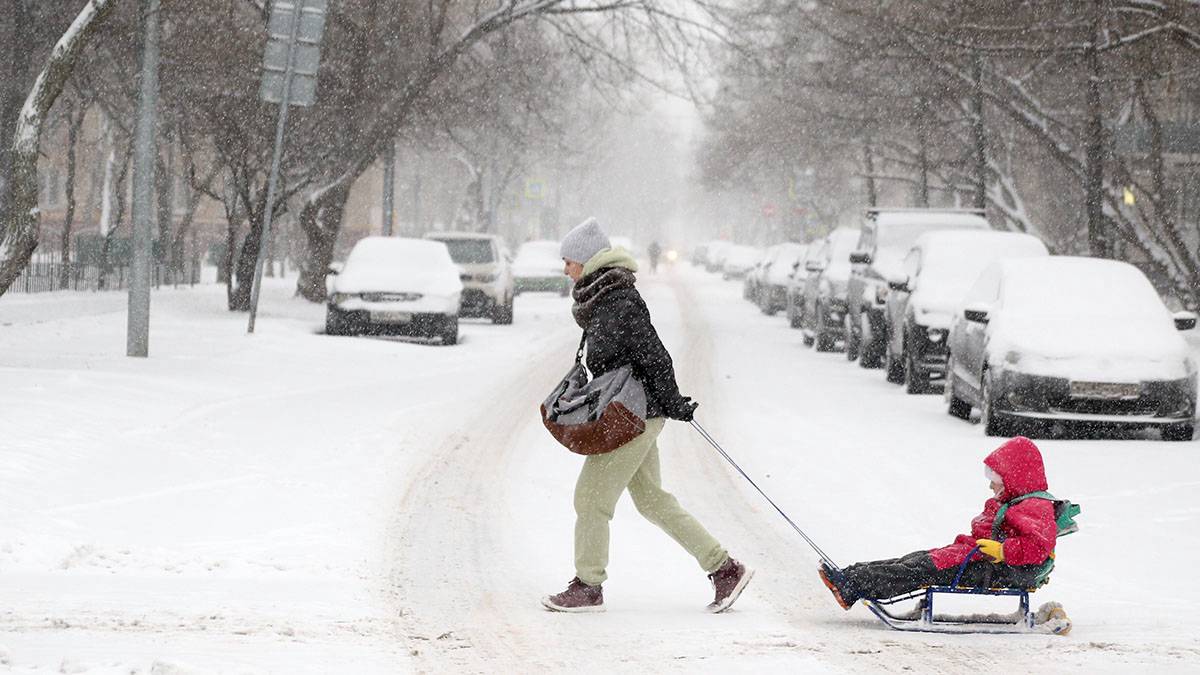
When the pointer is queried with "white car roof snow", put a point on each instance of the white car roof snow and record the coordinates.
(398, 264)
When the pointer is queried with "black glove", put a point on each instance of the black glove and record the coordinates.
(683, 410)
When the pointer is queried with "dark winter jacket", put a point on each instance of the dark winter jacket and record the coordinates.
(1029, 528)
(617, 324)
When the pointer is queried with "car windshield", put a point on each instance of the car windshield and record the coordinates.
(841, 244)
(470, 251)
(899, 231)
(395, 253)
(951, 266)
(1084, 289)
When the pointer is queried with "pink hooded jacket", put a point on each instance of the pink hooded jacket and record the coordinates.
(1029, 528)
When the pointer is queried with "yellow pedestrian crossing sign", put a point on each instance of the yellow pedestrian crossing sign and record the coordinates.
(1130, 198)
(535, 189)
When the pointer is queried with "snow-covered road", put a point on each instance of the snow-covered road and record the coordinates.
(290, 502)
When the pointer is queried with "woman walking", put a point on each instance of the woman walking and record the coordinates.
(617, 323)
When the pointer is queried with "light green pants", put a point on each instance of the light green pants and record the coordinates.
(601, 482)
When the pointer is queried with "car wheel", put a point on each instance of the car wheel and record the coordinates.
(825, 341)
(870, 354)
(449, 332)
(336, 323)
(916, 380)
(993, 423)
(1178, 432)
(333, 322)
(794, 318)
(503, 314)
(768, 307)
(956, 406)
(893, 366)
(853, 339)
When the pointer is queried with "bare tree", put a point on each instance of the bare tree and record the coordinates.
(19, 218)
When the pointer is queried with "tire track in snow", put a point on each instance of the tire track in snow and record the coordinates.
(445, 579)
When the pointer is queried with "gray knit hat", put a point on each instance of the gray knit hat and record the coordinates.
(584, 241)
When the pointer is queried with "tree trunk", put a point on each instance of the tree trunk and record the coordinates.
(20, 221)
(321, 222)
(75, 121)
(869, 165)
(1162, 198)
(164, 184)
(239, 299)
(15, 50)
(923, 152)
(1093, 182)
(232, 225)
(979, 139)
(120, 193)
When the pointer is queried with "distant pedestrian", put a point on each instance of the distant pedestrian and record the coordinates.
(654, 252)
(617, 323)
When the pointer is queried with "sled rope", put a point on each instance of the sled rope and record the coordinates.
(717, 446)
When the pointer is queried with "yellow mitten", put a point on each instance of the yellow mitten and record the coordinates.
(992, 549)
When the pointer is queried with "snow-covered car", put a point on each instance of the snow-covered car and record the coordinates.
(395, 285)
(739, 261)
(936, 274)
(887, 235)
(781, 263)
(484, 265)
(717, 251)
(539, 267)
(1071, 341)
(753, 277)
(825, 296)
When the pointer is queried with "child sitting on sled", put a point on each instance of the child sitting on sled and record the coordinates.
(1011, 556)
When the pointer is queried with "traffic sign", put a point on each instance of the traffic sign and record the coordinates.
(293, 50)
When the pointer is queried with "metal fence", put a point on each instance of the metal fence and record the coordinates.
(41, 277)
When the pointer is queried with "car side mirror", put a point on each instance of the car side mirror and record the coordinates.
(1185, 320)
(976, 313)
(899, 284)
(860, 258)
(334, 270)
(813, 266)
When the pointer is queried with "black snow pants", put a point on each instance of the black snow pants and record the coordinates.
(884, 579)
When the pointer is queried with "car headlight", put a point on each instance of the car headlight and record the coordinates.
(935, 335)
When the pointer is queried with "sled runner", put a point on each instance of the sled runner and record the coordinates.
(1050, 618)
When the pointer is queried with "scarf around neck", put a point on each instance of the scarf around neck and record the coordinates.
(591, 288)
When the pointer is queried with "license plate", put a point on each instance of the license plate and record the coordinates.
(391, 317)
(1105, 390)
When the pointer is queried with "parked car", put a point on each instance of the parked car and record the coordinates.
(539, 267)
(798, 281)
(753, 278)
(1070, 341)
(936, 274)
(826, 288)
(717, 251)
(739, 261)
(773, 285)
(485, 268)
(887, 235)
(395, 285)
